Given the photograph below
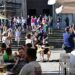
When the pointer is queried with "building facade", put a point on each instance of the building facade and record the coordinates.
(38, 7)
(67, 11)
(24, 7)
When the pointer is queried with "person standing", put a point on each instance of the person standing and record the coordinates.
(17, 36)
(67, 21)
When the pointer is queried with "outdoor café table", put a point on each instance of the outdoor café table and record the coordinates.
(3, 67)
(6, 73)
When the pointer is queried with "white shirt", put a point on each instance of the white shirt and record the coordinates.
(17, 33)
(72, 57)
(5, 40)
(32, 68)
(28, 41)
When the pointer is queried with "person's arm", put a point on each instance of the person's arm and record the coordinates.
(16, 63)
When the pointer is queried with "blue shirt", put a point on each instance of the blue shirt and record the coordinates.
(68, 39)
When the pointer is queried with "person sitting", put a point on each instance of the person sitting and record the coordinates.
(3, 47)
(68, 39)
(46, 50)
(33, 67)
(7, 56)
(20, 62)
(72, 57)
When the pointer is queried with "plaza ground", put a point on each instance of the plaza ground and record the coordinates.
(52, 67)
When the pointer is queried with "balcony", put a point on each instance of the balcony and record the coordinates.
(65, 1)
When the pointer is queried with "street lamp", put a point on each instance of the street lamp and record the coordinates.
(59, 9)
(53, 2)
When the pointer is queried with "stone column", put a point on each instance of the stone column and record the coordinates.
(24, 8)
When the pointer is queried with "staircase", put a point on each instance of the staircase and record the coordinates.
(56, 38)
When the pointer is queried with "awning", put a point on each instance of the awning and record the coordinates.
(2, 17)
(68, 9)
(68, 6)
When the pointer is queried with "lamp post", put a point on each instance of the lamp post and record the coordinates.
(5, 11)
(24, 8)
(53, 2)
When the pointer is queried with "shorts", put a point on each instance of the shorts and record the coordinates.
(46, 50)
(68, 49)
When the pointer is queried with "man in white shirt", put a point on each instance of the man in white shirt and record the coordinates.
(33, 67)
(29, 39)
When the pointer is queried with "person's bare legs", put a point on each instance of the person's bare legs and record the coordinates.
(42, 54)
(48, 55)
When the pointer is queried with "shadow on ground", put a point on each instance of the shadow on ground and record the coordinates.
(50, 74)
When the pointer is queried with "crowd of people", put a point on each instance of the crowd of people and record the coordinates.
(36, 31)
(35, 41)
(36, 25)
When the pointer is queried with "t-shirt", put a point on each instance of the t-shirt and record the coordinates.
(32, 68)
(28, 41)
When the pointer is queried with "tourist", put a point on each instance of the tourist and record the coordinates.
(33, 67)
(29, 39)
(72, 57)
(7, 56)
(20, 61)
(68, 37)
(6, 39)
(32, 22)
(17, 36)
(3, 47)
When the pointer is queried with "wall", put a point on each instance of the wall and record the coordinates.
(38, 5)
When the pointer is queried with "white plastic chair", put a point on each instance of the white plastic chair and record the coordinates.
(71, 69)
(63, 63)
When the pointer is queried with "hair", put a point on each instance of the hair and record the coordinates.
(3, 45)
(9, 51)
(32, 53)
(29, 45)
(20, 48)
(29, 36)
(67, 29)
